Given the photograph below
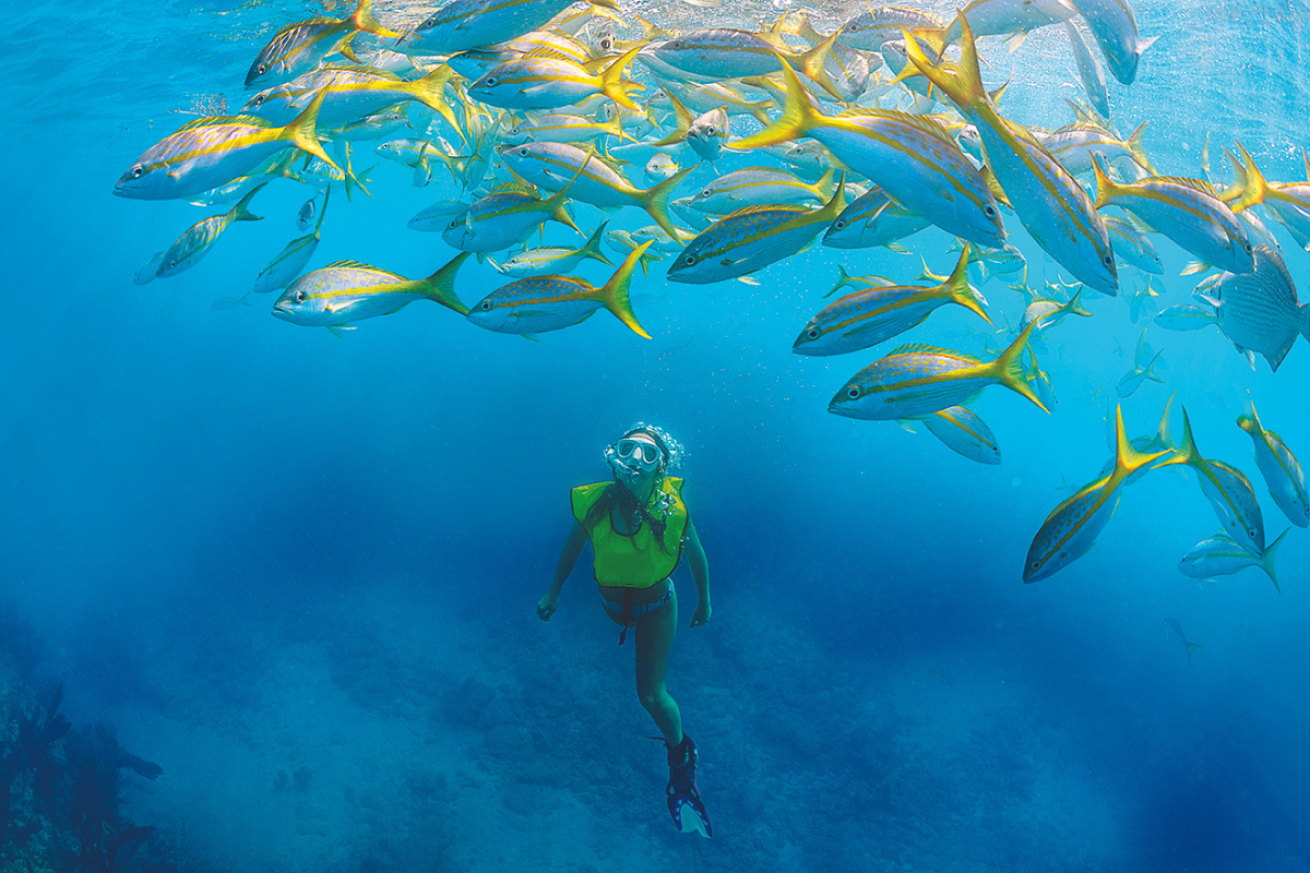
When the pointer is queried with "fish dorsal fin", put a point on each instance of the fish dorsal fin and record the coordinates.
(514, 188)
(920, 121)
(1196, 184)
(212, 120)
(552, 54)
(925, 349)
(355, 265)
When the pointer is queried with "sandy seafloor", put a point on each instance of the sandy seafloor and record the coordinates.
(299, 572)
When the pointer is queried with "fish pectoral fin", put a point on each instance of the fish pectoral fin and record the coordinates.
(339, 330)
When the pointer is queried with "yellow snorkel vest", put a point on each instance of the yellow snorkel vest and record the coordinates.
(637, 561)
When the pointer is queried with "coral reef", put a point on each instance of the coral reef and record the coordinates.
(62, 789)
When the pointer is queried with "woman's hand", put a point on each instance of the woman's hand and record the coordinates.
(701, 615)
(546, 606)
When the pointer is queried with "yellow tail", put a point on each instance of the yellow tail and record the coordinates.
(1106, 188)
(964, 86)
(614, 86)
(440, 286)
(363, 20)
(1127, 460)
(591, 248)
(431, 91)
(1184, 449)
(956, 287)
(799, 115)
(682, 120)
(814, 64)
(303, 132)
(614, 293)
(1008, 368)
(1257, 190)
(1136, 149)
(656, 201)
(240, 212)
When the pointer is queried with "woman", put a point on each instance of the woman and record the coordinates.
(638, 527)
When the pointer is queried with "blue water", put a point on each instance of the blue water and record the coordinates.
(299, 571)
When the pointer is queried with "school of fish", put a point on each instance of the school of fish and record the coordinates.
(861, 137)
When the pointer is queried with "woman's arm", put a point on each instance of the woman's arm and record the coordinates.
(568, 556)
(700, 575)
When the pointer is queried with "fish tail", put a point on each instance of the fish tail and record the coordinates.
(1075, 305)
(799, 115)
(1106, 188)
(1267, 559)
(614, 293)
(591, 248)
(836, 203)
(241, 211)
(655, 200)
(607, 4)
(303, 132)
(440, 286)
(1127, 460)
(957, 287)
(614, 86)
(431, 91)
(824, 187)
(964, 86)
(813, 63)
(1191, 647)
(1009, 371)
(1184, 449)
(347, 48)
(1256, 189)
(682, 122)
(843, 279)
(327, 192)
(363, 19)
(1134, 143)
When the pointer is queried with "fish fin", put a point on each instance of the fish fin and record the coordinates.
(339, 330)
(1255, 189)
(363, 19)
(682, 122)
(1135, 148)
(957, 287)
(1267, 559)
(799, 115)
(1184, 450)
(824, 187)
(813, 64)
(1127, 460)
(303, 133)
(440, 286)
(614, 293)
(1192, 646)
(614, 86)
(655, 200)
(431, 91)
(240, 212)
(591, 248)
(897, 247)
(1008, 368)
(964, 86)
(1275, 358)
(1106, 187)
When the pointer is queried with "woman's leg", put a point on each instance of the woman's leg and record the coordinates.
(654, 638)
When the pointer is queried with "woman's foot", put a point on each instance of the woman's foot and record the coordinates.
(682, 791)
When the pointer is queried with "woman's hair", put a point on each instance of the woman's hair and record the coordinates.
(617, 496)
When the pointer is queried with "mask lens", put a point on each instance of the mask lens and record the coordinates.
(642, 453)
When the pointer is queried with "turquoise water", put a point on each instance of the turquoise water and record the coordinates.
(299, 571)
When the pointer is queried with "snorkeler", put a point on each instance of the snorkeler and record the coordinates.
(638, 527)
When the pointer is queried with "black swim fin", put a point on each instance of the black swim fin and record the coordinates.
(685, 805)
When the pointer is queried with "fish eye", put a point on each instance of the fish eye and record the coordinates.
(485, 305)
(1037, 564)
(431, 22)
(812, 334)
(300, 296)
(689, 260)
(259, 100)
(523, 152)
(839, 224)
(710, 130)
(606, 44)
(1109, 260)
(489, 82)
(676, 44)
(454, 222)
(136, 172)
(854, 393)
(261, 69)
(990, 210)
(1248, 248)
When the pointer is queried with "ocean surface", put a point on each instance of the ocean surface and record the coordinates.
(298, 572)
